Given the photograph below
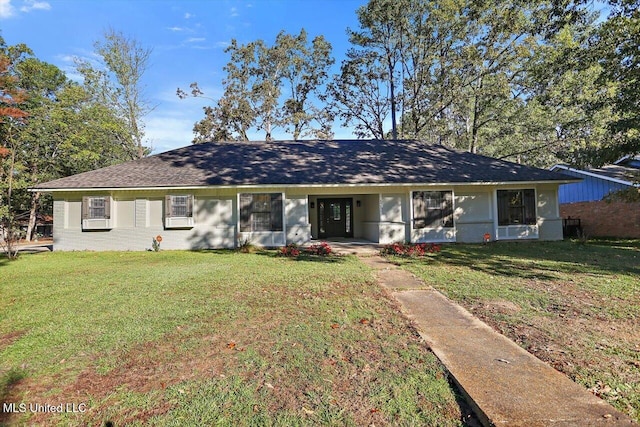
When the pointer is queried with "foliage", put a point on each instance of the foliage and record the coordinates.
(617, 50)
(267, 87)
(522, 81)
(410, 249)
(117, 84)
(155, 243)
(292, 250)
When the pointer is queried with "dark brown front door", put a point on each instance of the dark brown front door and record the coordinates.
(335, 218)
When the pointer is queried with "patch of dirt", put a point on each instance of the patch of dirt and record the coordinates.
(7, 339)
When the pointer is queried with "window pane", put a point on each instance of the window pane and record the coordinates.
(97, 208)
(335, 211)
(179, 206)
(261, 221)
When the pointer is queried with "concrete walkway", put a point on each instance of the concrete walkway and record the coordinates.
(505, 385)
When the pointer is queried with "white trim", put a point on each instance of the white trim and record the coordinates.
(593, 175)
(258, 186)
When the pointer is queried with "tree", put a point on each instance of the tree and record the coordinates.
(617, 51)
(359, 95)
(12, 116)
(253, 90)
(382, 35)
(117, 82)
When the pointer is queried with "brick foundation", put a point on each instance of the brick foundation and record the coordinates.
(602, 219)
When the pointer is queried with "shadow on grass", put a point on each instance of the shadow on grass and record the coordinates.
(541, 260)
(8, 381)
(274, 253)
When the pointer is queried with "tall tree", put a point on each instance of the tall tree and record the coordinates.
(359, 95)
(118, 82)
(617, 51)
(267, 87)
(12, 117)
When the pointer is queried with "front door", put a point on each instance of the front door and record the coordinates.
(335, 218)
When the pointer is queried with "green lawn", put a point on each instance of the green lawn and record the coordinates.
(202, 338)
(574, 305)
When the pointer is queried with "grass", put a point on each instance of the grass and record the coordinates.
(574, 305)
(201, 338)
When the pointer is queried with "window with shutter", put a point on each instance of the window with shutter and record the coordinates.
(96, 212)
(178, 211)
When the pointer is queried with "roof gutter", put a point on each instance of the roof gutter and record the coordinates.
(251, 186)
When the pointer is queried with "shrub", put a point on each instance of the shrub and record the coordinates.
(293, 251)
(321, 249)
(410, 249)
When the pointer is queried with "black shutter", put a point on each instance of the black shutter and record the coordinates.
(245, 212)
(167, 206)
(447, 209)
(276, 212)
(503, 207)
(418, 210)
(529, 202)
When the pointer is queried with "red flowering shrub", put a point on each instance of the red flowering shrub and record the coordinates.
(410, 249)
(293, 251)
(321, 249)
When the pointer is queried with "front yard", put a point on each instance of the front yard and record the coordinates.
(202, 338)
(573, 305)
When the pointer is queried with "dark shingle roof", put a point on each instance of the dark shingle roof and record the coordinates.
(300, 163)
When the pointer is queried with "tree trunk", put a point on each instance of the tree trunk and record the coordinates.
(394, 130)
(33, 214)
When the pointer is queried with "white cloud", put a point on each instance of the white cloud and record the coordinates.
(30, 5)
(188, 15)
(6, 9)
(195, 40)
(234, 11)
(176, 29)
(223, 45)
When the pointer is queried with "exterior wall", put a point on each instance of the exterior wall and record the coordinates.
(384, 216)
(297, 224)
(602, 219)
(589, 189)
(392, 227)
(473, 215)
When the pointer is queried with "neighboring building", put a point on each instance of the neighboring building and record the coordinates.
(597, 183)
(584, 200)
(216, 195)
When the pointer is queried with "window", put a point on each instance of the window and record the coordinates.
(96, 213)
(516, 207)
(432, 209)
(261, 212)
(179, 206)
(98, 207)
(178, 211)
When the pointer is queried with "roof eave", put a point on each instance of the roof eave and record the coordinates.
(351, 185)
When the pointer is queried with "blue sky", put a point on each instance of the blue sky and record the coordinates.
(187, 37)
